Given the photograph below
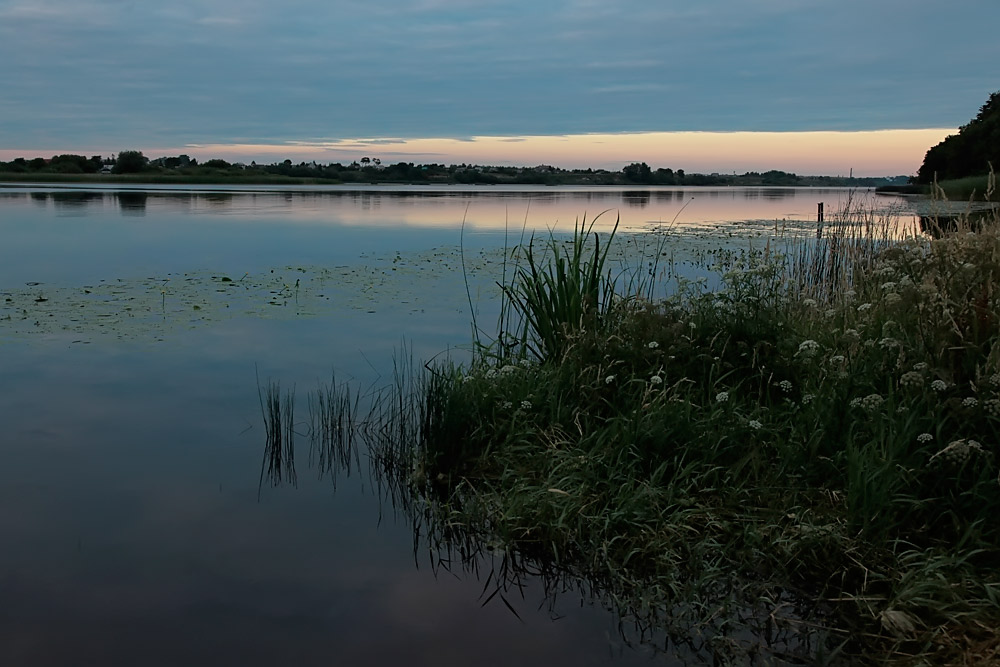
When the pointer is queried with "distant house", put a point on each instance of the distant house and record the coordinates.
(106, 169)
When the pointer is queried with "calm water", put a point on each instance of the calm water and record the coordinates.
(132, 529)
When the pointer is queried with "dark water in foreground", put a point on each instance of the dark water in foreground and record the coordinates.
(132, 530)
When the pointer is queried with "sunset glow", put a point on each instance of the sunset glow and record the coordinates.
(868, 153)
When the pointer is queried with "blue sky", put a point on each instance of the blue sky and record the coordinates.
(105, 75)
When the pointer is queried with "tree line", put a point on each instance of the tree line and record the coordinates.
(372, 170)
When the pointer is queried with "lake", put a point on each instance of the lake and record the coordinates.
(136, 326)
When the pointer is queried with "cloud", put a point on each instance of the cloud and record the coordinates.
(212, 71)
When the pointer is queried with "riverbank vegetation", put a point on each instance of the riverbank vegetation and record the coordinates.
(809, 450)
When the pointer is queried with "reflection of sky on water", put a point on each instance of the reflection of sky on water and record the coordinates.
(130, 231)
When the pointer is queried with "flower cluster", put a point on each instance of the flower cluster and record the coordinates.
(869, 403)
(808, 348)
(957, 452)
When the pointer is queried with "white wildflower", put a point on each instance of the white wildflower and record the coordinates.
(468, 378)
(957, 452)
(892, 298)
(970, 402)
(911, 379)
(508, 369)
(525, 405)
(992, 407)
(754, 424)
(807, 398)
(852, 334)
(809, 303)
(869, 403)
(924, 438)
(785, 386)
(490, 374)
(939, 385)
(652, 345)
(863, 307)
(830, 312)
(655, 380)
(808, 347)
(722, 396)
(837, 359)
(887, 343)
(506, 405)
(995, 379)
(920, 366)
(609, 379)
(888, 287)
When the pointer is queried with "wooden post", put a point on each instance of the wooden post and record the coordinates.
(819, 221)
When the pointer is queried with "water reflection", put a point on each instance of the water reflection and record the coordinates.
(75, 203)
(132, 203)
(481, 207)
(452, 534)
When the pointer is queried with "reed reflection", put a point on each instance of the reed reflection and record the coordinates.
(453, 534)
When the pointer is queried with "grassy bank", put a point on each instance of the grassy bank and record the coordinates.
(811, 449)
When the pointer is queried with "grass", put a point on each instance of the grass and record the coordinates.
(812, 447)
(800, 465)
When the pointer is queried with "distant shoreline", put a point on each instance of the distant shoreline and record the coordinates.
(563, 178)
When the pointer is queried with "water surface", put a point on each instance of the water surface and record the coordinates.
(134, 528)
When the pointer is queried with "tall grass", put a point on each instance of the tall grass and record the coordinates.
(775, 451)
(801, 465)
(559, 290)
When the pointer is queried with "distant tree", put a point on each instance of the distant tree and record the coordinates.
(216, 163)
(665, 176)
(638, 172)
(971, 151)
(130, 162)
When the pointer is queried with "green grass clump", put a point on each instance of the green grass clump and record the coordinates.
(813, 446)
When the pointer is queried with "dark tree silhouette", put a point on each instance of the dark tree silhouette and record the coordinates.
(971, 151)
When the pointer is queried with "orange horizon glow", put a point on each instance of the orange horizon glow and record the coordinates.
(833, 153)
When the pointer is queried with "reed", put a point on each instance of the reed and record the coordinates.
(278, 413)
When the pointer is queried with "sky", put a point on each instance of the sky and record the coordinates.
(811, 86)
